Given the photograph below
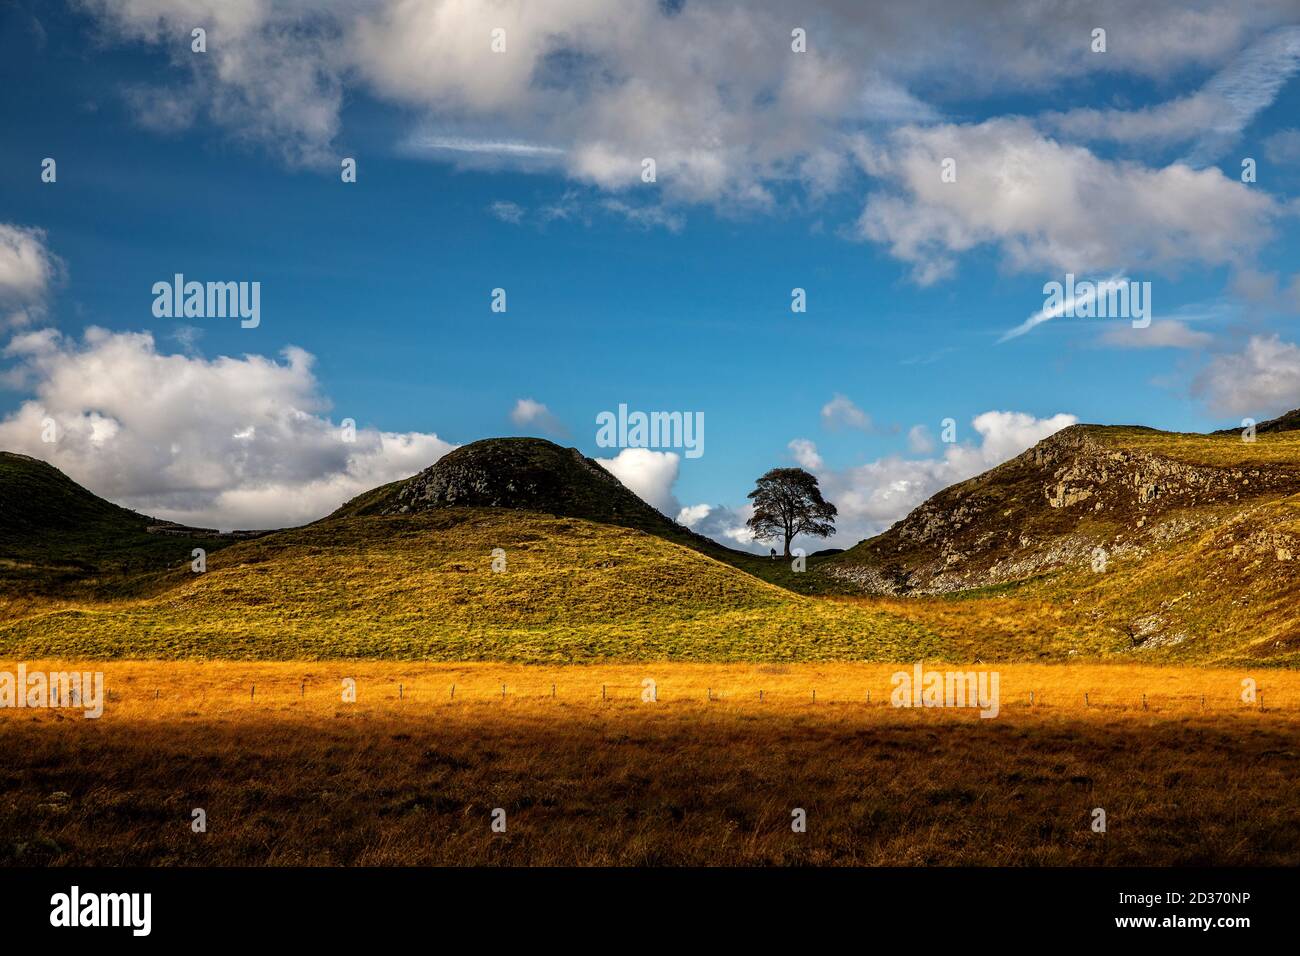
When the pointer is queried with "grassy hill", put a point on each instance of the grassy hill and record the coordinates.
(538, 475)
(1111, 540)
(60, 541)
(1199, 537)
(405, 571)
(421, 586)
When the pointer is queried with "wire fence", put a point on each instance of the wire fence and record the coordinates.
(350, 691)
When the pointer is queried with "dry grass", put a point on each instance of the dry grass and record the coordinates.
(1272, 448)
(423, 588)
(292, 774)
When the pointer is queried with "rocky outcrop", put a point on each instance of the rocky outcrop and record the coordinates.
(1057, 505)
(1083, 470)
(527, 474)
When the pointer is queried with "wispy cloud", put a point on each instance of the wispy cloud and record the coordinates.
(1054, 311)
(1212, 118)
(1246, 88)
(491, 147)
(1165, 334)
(506, 211)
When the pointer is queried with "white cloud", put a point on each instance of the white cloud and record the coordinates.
(873, 496)
(1047, 205)
(224, 442)
(1261, 381)
(1213, 118)
(919, 440)
(711, 90)
(649, 474)
(1164, 334)
(506, 211)
(529, 413)
(840, 412)
(272, 73)
(647, 217)
(1283, 147)
(805, 453)
(725, 525)
(487, 148)
(27, 271)
(1049, 311)
(692, 515)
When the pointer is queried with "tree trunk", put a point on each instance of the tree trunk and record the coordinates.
(789, 536)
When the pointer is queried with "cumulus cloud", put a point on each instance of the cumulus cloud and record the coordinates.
(840, 412)
(224, 442)
(1049, 205)
(529, 413)
(919, 440)
(711, 90)
(873, 496)
(692, 515)
(649, 474)
(27, 271)
(1260, 381)
(272, 73)
(725, 525)
(805, 453)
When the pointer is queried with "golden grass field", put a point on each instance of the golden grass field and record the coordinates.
(288, 773)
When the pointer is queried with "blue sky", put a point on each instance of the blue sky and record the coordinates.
(674, 295)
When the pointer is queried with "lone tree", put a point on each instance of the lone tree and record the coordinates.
(788, 502)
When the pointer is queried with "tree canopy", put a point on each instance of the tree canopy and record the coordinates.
(789, 502)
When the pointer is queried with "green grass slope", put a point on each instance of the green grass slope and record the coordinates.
(538, 475)
(421, 586)
(58, 539)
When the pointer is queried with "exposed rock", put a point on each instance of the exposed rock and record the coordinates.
(1050, 508)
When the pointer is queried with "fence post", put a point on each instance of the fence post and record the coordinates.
(453, 691)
